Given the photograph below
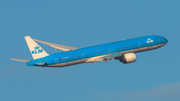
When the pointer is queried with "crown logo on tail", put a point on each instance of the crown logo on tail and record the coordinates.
(37, 47)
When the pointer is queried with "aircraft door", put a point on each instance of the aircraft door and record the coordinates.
(82, 55)
(139, 45)
(158, 40)
(109, 50)
(56, 60)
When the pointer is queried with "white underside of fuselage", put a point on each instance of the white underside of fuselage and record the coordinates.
(123, 52)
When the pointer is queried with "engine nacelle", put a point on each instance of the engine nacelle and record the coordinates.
(128, 58)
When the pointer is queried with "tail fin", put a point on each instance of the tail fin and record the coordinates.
(35, 49)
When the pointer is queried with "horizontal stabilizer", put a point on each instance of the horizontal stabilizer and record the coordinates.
(58, 46)
(21, 60)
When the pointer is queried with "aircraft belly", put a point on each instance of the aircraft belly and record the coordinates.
(68, 63)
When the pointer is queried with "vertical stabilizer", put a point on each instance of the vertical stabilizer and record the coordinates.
(35, 50)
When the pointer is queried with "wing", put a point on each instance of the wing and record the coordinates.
(21, 60)
(104, 58)
(112, 56)
(58, 46)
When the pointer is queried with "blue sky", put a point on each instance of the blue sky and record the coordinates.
(81, 23)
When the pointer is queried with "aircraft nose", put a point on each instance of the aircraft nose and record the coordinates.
(165, 40)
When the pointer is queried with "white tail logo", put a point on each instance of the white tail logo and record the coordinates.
(37, 50)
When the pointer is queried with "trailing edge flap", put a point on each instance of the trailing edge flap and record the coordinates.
(58, 46)
(21, 60)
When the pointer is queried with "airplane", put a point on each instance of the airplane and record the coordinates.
(123, 50)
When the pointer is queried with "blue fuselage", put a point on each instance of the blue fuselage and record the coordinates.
(99, 50)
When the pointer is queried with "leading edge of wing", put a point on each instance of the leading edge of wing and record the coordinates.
(57, 46)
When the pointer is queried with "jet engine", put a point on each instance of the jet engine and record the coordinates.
(128, 58)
